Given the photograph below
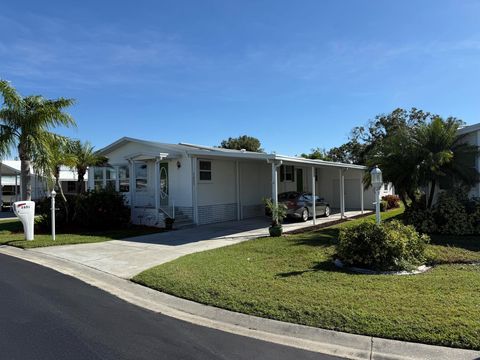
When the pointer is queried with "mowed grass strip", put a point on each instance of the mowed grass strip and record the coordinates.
(292, 279)
(11, 233)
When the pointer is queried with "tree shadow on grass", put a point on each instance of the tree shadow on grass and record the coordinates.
(467, 242)
(324, 237)
(326, 265)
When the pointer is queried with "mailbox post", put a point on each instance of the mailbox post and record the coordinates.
(25, 211)
(377, 182)
(53, 193)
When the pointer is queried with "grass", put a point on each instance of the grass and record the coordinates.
(292, 279)
(11, 233)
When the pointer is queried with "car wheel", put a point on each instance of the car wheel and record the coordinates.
(304, 214)
(327, 211)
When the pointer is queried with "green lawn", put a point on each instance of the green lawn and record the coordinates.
(292, 279)
(11, 233)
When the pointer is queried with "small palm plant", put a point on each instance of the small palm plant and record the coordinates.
(278, 213)
(85, 157)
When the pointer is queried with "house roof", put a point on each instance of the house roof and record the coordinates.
(201, 150)
(469, 129)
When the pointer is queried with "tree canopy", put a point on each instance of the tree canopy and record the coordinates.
(246, 142)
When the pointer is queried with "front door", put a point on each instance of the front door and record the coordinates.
(164, 184)
(299, 180)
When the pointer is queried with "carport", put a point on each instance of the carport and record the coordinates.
(9, 176)
(340, 184)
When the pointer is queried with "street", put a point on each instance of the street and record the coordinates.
(48, 315)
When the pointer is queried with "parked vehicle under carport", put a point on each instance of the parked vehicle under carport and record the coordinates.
(300, 205)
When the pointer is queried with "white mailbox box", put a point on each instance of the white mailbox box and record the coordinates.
(25, 211)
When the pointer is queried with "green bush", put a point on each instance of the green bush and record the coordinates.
(388, 246)
(452, 214)
(383, 206)
(90, 211)
(393, 201)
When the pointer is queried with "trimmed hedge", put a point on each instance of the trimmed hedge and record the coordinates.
(90, 211)
(385, 247)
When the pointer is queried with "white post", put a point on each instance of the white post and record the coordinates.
(157, 186)
(377, 205)
(342, 193)
(132, 187)
(195, 190)
(274, 183)
(237, 189)
(53, 213)
(314, 212)
(361, 195)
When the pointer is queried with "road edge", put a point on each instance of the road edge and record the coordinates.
(329, 342)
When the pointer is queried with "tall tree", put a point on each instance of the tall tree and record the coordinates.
(85, 157)
(246, 142)
(317, 154)
(25, 122)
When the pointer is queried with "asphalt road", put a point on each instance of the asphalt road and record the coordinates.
(48, 315)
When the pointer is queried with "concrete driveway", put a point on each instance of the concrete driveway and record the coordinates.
(128, 257)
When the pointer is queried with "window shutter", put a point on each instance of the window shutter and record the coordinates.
(282, 173)
(293, 173)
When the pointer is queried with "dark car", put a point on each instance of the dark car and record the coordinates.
(300, 205)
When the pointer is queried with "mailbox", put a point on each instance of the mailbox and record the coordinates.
(25, 211)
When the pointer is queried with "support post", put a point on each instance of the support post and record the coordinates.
(341, 180)
(52, 194)
(16, 185)
(377, 205)
(132, 187)
(361, 196)
(237, 190)
(274, 183)
(157, 186)
(314, 200)
(195, 190)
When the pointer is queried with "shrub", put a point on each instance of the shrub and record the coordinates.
(452, 214)
(388, 246)
(94, 210)
(393, 201)
(383, 206)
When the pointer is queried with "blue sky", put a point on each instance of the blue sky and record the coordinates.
(297, 75)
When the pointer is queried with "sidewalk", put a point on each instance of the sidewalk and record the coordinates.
(299, 336)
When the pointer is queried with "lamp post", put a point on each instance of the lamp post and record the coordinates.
(53, 193)
(377, 181)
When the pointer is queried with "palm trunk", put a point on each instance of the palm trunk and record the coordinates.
(433, 185)
(80, 181)
(404, 200)
(25, 179)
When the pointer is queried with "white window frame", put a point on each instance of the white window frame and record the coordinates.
(205, 171)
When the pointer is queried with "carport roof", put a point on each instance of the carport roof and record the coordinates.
(200, 150)
(6, 170)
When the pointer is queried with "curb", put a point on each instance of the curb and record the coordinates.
(299, 336)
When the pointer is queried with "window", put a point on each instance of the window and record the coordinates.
(98, 178)
(385, 186)
(110, 177)
(124, 178)
(71, 186)
(287, 173)
(141, 176)
(205, 170)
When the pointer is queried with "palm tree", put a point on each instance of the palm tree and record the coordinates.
(444, 154)
(85, 157)
(424, 155)
(25, 122)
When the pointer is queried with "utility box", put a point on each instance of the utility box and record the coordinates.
(25, 211)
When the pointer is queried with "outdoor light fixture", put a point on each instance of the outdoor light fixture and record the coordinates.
(377, 181)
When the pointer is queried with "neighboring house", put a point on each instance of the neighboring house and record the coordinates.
(472, 136)
(201, 185)
(10, 182)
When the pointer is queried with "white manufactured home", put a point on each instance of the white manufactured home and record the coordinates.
(472, 136)
(201, 185)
